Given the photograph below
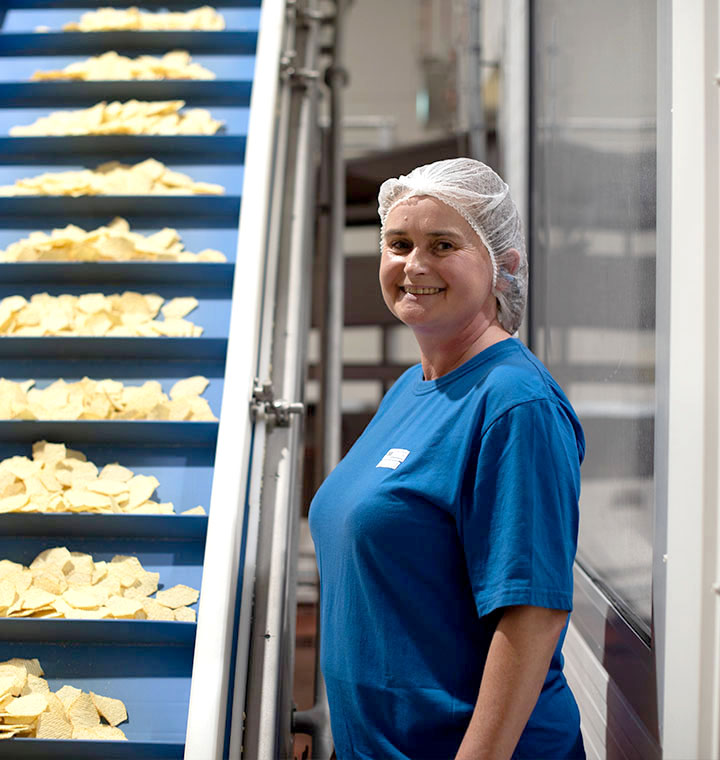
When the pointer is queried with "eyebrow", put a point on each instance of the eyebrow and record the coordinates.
(434, 233)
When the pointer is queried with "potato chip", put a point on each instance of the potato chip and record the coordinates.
(82, 712)
(177, 596)
(81, 599)
(142, 488)
(179, 307)
(144, 586)
(67, 695)
(7, 683)
(115, 472)
(195, 511)
(13, 503)
(123, 608)
(6, 732)
(31, 705)
(185, 614)
(100, 732)
(53, 724)
(58, 556)
(113, 710)
(35, 685)
(50, 579)
(34, 598)
(17, 673)
(156, 611)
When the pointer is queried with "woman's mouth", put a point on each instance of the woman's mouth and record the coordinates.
(418, 291)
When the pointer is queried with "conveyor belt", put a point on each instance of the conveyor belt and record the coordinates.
(147, 664)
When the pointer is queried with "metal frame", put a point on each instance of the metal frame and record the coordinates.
(316, 720)
(269, 692)
(692, 626)
(207, 714)
(514, 132)
(662, 339)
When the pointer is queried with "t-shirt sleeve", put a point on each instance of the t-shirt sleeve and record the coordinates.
(518, 520)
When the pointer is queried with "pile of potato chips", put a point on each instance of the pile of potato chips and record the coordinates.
(127, 315)
(148, 177)
(105, 400)
(112, 242)
(60, 479)
(134, 117)
(62, 584)
(132, 19)
(177, 64)
(29, 708)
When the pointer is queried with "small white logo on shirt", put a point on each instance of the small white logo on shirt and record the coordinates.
(393, 458)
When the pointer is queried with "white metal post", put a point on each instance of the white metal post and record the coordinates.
(514, 117)
(691, 630)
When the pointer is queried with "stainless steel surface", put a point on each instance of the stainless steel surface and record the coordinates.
(476, 100)
(514, 116)
(662, 341)
(267, 735)
(316, 721)
(262, 369)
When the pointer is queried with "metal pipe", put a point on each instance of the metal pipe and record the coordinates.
(263, 370)
(277, 628)
(476, 102)
(335, 304)
(316, 720)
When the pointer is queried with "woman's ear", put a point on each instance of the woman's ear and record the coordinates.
(511, 263)
(512, 260)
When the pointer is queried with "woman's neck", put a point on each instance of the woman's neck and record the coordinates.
(440, 355)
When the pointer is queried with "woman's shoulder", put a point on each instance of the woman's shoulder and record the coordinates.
(518, 373)
(518, 377)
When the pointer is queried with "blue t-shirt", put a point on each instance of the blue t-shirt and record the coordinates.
(460, 498)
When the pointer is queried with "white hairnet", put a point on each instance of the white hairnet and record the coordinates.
(478, 194)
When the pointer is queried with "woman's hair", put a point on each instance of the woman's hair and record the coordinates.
(478, 194)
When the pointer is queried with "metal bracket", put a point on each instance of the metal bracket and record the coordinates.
(275, 412)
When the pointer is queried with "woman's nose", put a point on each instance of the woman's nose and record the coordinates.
(415, 261)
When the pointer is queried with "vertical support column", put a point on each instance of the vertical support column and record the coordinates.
(691, 629)
(514, 117)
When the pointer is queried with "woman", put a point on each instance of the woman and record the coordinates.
(445, 538)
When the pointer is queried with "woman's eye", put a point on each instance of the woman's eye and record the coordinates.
(398, 245)
(443, 245)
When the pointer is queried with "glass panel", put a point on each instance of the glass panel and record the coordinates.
(593, 266)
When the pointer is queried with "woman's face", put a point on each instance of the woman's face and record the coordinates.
(435, 273)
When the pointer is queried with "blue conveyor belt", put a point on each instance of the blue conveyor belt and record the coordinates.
(147, 664)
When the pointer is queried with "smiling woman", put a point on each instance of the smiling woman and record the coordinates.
(445, 538)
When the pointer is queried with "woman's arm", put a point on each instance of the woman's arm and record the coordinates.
(515, 670)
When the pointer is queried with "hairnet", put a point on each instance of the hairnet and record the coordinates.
(478, 194)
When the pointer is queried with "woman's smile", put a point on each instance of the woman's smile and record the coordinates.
(417, 290)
